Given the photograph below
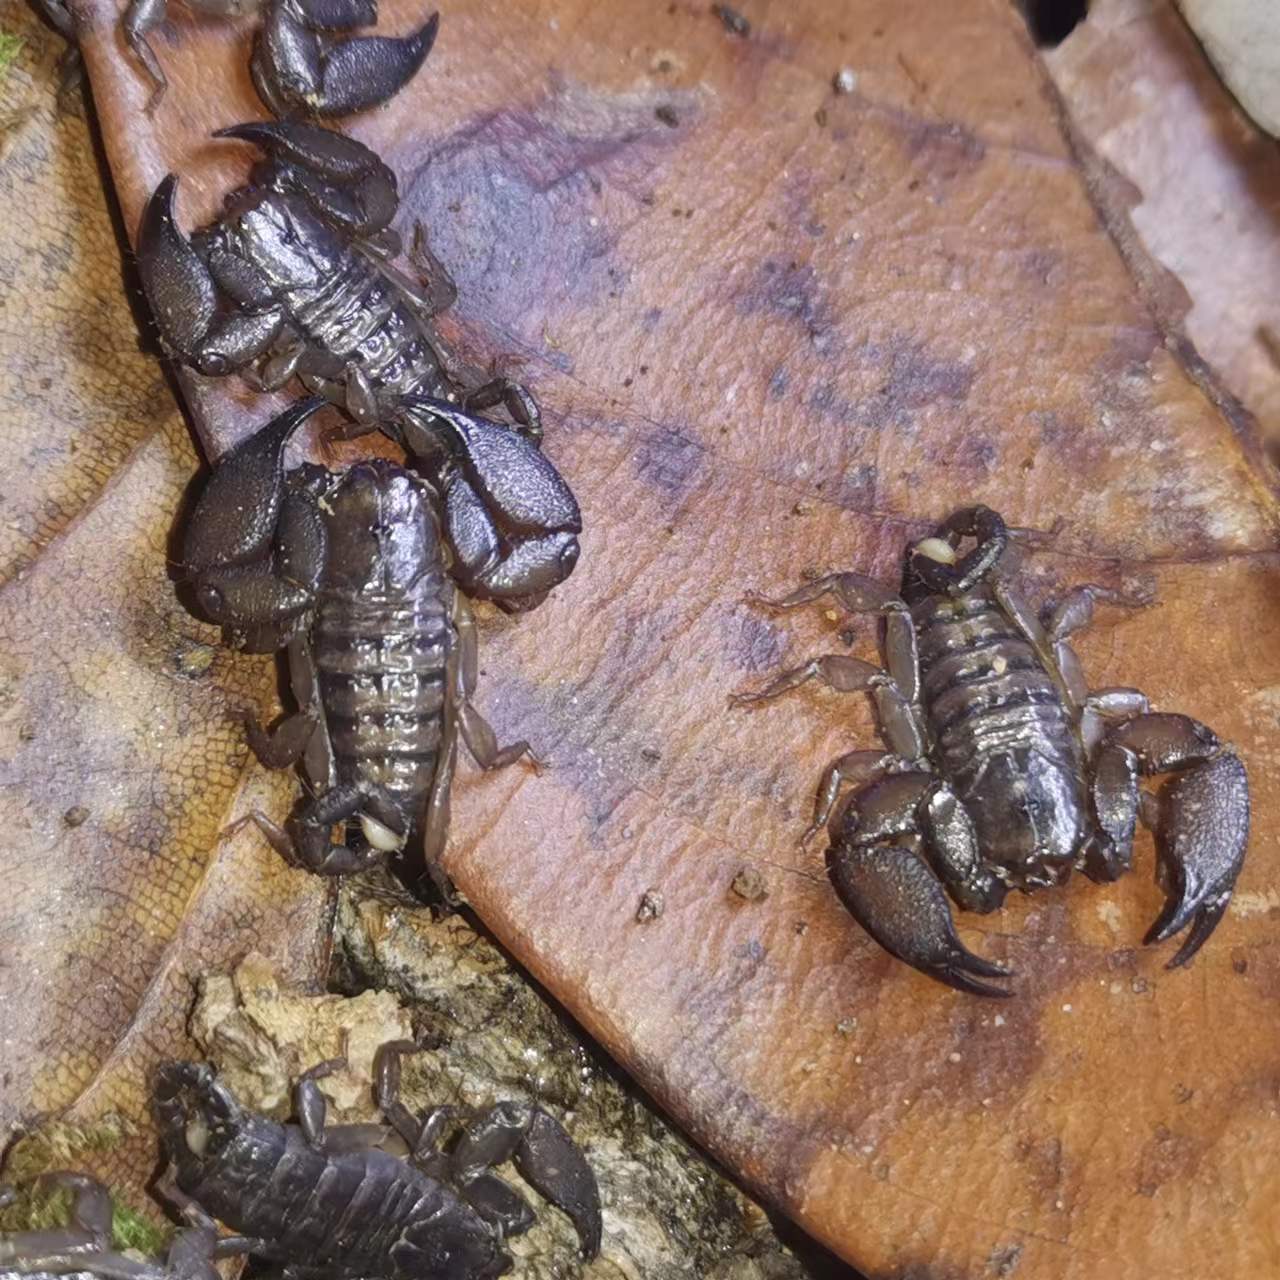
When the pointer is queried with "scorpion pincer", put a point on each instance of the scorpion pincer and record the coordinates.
(1004, 771)
(300, 65)
(296, 278)
(350, 574)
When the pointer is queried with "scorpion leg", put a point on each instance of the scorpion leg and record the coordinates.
(422, 1136)
(898, 716)
(864, 595)
(140, 19)
(309, 1104)
(894, 894)
(285, 744)
(84, 1245)
(852, 768)
(515, 397)
(544, 1154)
(440, 291)
(1203, 819)
(476, 731)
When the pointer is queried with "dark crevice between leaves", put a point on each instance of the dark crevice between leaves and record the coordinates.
(1052, 21)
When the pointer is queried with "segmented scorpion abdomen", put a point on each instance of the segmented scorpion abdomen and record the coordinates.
(304, 1203)
(985, 689)
(359, 317)
(382, 666)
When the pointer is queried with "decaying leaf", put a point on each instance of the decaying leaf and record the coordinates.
(776, 328)
(120, 760)
(1201, 184)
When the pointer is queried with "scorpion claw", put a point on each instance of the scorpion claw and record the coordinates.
(901, 904)
(341, 177)
(182, 292)
(1204, 828)
(546, 1157)
(294, 71)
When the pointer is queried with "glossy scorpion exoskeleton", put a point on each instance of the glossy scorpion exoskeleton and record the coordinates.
(295, 279)
(1004, 771)
(299, 65)
(350, 573)
(350, 1202)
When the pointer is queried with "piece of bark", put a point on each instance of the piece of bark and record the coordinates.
(777, 329)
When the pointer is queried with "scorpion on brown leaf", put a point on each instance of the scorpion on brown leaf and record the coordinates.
(354, 577)
(296, 279)
(1004, 770)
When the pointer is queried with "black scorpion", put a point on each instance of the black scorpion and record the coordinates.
(350, 574)
(1004, 771)
(351, 1202)
(295, 278)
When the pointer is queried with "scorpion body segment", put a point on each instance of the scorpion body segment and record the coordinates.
(1003, 770)
(351, 574)
(295, 279)
(1002, 735)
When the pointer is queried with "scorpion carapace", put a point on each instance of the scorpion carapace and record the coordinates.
(296, 279)
(1003, 770)
(349, 573)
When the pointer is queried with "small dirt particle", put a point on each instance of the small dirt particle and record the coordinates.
(749, 884)
(650, 754)
(652, 905)
(27, 733)
(847, 1026)
(820, 117)
(1138, 986)
(76, 816)
(734, 23)
(845, 80)
(667, 115)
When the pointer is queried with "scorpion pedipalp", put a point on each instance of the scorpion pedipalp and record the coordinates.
(298, 71)
(342, 178)
(511, 520)
(184, 296)
(1203, 824)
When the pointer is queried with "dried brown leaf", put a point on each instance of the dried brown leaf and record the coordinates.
(773, 327)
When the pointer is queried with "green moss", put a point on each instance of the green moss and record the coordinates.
(10, 47)
(130, 1230)
(63, 1146)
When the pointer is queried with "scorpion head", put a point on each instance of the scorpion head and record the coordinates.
(195, 1114)
(934, 565)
